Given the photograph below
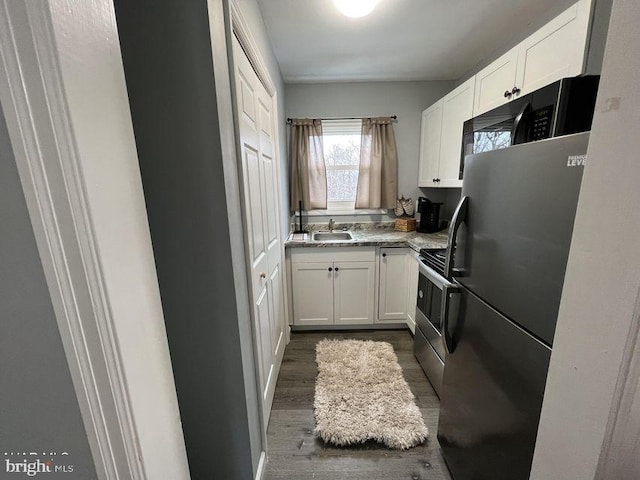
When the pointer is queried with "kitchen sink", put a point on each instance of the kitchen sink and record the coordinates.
(331, 236)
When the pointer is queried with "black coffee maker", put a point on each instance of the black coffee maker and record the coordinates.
(429, 215)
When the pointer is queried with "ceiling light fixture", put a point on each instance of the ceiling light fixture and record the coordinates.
(355, 8)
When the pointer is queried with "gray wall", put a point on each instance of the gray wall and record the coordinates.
(172, 90)
(405, 99)
(38, 406)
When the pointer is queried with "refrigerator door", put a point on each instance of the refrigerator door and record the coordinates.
(491, 393)
(512, 249)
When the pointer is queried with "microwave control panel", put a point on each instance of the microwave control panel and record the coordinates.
(541, 123)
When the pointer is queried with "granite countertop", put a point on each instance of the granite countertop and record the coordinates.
(379, 235)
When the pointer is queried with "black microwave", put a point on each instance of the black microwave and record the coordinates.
(561, 108)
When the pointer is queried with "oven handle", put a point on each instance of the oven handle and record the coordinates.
(433, 276)
(448, 289)
(459, 216)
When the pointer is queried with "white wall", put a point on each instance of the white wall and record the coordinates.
(603, 274)
(93, 80)
(407, 100)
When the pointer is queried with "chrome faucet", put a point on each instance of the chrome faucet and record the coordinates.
(332, 222)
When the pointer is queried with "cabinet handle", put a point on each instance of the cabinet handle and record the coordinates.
(263, 275)
(337, 269)
(434, 180)
(384, 254)
(515, 90)
(330, 268)
(507, 93)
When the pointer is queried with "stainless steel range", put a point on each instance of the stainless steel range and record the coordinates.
(428, 346)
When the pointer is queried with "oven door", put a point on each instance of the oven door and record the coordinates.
(429, 306)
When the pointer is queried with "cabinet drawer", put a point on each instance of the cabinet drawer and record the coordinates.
(333, 254)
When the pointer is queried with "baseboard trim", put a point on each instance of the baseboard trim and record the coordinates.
(325, 328)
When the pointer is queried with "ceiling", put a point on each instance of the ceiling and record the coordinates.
(400, 40)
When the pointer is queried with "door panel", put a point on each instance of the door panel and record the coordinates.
(277, 312)
(253, 197)
(493, 81)
(430, 145)
(261, 214)
(412, 289)
(312, 293)
(457, 108)
(565, 36)
(263, 312)
(353, 287)
(491, 394)
(392, 300)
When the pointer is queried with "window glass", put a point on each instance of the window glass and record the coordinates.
(341, 145)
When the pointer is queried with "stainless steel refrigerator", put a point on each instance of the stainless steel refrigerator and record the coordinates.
(506, 261)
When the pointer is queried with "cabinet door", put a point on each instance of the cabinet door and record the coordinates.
(457, 108)
(353, 292)
(412, 289)
(555, 51)
(312, 293)
(430, 145)
(493, 81)
(392, 299)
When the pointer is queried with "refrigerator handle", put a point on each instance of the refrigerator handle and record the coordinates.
(448, 289)
(459, 216)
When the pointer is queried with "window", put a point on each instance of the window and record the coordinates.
(341, 145)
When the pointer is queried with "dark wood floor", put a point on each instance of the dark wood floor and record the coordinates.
(294, 453)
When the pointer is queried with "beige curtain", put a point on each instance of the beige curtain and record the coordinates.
(378, 177)
(308, 174)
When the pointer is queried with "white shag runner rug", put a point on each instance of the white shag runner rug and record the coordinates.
(362, 395)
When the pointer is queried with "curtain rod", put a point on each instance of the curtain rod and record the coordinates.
(392, 117)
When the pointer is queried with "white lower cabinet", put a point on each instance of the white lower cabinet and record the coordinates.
(333, 286)
(312, 293)
(412, 289)
(354, 286)
(392, 297)
(353, 292)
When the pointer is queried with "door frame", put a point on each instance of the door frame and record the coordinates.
(48, 153)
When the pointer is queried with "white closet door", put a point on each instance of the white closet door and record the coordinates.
(262, 220)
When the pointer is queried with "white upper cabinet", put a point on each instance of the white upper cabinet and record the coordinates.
(457, 108)
(494, 83)
(555, 51)
(431, 131)
(441, 141)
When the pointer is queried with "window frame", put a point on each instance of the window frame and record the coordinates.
(342, 207)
